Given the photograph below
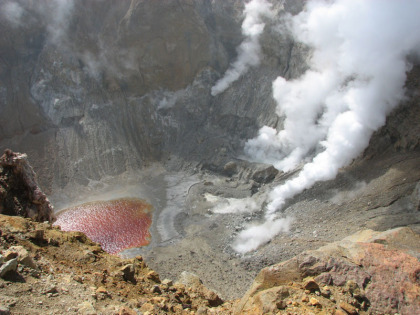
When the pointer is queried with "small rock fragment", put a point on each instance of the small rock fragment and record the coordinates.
(50, 289)
(349, 309)
(8, 266)
(326, 292)
(128, 272)
(311, 285)
(352, 287)
(86, 308)
(314, 302)
(201, 311)
(153, 275)
(147, 307)
(189, 279)
(101, 293)
(4, 310)
(37, 235)
(167, 282)
(124, 310)
(156, 289)
(78, 278)
(281, 305)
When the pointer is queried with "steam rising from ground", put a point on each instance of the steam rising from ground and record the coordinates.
(356, 77)
(249, 51)
(13, 12)
(55, 14)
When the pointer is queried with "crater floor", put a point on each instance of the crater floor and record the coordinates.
(187, 235)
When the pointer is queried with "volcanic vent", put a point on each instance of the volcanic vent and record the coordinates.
(255, 129)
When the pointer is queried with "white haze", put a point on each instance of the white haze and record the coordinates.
(59, 19)
(356, 77)
(13, 12)
(249, 50)
(232, 205)
(251, 238)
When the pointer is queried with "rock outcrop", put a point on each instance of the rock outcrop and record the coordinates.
(45, 270)
(20, 193)
(368, 273)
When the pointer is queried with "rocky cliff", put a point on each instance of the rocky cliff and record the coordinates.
(101, 89)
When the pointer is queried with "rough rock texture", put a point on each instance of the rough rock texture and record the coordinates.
(19, 190)
(94, 91)
(380, 270)
(366, 273)
(71, 274)
(111, 87)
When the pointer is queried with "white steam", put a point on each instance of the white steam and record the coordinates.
(249, 50)
(58, 20)
(253, 237)
(232, 205)
(356, 77)
(13, 12)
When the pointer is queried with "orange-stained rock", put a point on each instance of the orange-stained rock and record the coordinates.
(383, 265)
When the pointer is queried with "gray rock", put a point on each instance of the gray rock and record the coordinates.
(265, 175)
(189, 279)
(230, 168)
(415, 197)
(4, 310)
(8, 266)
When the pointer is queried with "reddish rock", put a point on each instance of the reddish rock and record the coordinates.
(311, 285)
(383, 265)
(20, 194)
(349, 309)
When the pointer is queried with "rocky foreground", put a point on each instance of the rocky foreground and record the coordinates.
(47, 271)
(44, 270)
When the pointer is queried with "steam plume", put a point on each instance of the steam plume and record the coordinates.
(249, 51)
(59, 20)
(356, 77)
(13, 12)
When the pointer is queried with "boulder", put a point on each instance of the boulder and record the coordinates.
(382, 264)
(265, 174)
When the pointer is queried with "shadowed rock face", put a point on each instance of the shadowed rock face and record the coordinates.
(111, 87)
(20, 194)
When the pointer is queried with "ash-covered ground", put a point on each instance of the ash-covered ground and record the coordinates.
(189, 235)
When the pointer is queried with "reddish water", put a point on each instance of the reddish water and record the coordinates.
(116, 224)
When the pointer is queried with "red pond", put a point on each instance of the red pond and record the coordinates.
(116, 224)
